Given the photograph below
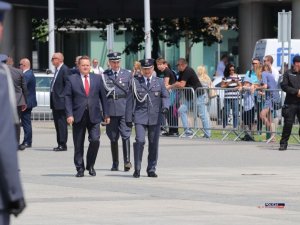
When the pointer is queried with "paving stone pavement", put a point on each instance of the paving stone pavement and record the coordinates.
(199, 182)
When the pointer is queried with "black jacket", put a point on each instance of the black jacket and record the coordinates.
(57, 97)
(291, 85)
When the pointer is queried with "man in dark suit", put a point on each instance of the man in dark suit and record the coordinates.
(84, 93)
(31, 101)
(146, 102)
(117, 81)
(57, 100)
(75, 68)
(11, 193)
(20, 93)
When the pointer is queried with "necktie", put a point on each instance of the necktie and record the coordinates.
(86, 85)
(53, 80)
(115, 73)
(148, 82)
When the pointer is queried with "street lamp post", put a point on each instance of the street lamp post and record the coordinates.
(147, 29)
(51, 25)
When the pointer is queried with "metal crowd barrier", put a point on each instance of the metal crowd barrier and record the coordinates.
(227, 113)
(220, 113)
(42, 111)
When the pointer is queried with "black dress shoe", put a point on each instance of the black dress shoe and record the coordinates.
(127, 166)
(136, 174)
(60, 148)
(282, 147)
(21, 147)
(152, 174)
(114, 167)
(80, 173)
(27, 145)
(92, 172)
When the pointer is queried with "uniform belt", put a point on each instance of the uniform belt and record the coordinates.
(117, 96)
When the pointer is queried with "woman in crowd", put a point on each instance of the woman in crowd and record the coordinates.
(136, 71)
(271, 98)
(205, 101)
(231, 97)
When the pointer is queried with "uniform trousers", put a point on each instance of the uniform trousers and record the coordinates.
(117, 127)
(153, 139)
(290, 113)
(4, 218)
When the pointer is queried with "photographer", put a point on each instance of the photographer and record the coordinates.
(291, 85)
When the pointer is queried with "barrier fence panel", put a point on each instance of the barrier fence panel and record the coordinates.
(223, 113)
(239, 114)
(182, 112)
(42, 111)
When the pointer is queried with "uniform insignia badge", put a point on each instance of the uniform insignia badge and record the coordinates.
(156, 93)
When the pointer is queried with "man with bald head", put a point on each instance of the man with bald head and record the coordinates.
(31, 101)
(57, 100)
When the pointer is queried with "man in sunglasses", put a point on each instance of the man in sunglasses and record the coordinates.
(57, 100)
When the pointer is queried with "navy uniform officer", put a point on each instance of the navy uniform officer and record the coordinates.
(147, 99)
(116, 82)
(11, 193)
(291, 85)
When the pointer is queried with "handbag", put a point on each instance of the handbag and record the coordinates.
(212, 93)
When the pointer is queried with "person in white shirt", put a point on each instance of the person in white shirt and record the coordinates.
(268, 60)
(95, 68)
(221, 66)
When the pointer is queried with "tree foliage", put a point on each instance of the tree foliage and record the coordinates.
(171, 31)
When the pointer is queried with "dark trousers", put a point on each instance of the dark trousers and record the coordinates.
(153, 139)
(79, 130)
(60, 122)
(4, 218)
(258, 106)
(291, 112)
(172, 119)
(27, 127)
(116, 127)
(18, 126)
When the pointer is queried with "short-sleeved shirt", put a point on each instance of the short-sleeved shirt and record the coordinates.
(251, 77)
(168, 73)
(220, 69)
(269, 79)
(190, 77)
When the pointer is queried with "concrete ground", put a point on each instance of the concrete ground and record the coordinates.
(199, 182)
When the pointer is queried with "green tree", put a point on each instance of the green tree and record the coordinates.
(171, 31)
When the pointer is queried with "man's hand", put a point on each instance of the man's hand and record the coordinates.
(107, 120)
(23, 108)
(165, 111)
(16, 207)
(298, 95)
(129, 124)
(70, 120)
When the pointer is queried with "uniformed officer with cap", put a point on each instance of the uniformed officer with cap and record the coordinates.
(116, 81)
(291, 85)
(147, 100)
(11, 194)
